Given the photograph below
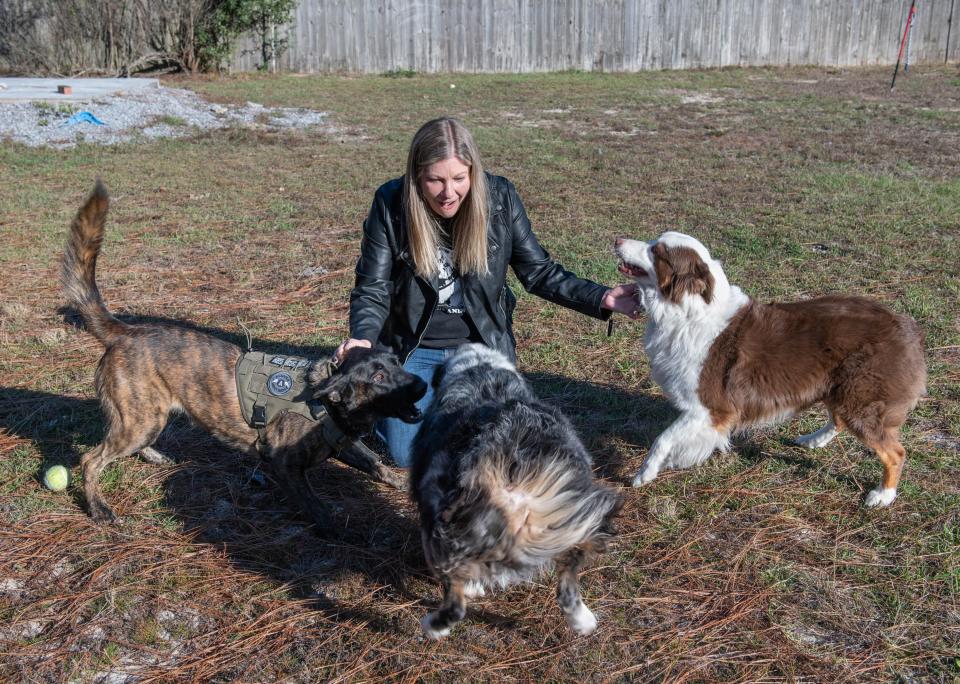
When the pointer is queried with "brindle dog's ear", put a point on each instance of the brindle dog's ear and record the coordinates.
(332, 389)
(320, 372)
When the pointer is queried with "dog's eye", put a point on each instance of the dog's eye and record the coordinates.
(379, 376)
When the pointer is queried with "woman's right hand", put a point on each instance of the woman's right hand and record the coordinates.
(346, 346)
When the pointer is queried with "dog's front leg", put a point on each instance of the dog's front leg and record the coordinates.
(437, 624)
(688, 441)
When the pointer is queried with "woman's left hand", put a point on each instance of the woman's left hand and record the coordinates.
(623, 299)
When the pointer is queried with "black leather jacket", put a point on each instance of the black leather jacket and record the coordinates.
(392, 305)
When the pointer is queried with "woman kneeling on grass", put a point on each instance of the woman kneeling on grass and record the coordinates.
(433, 265)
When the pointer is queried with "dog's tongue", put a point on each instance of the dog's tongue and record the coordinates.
(634, 271)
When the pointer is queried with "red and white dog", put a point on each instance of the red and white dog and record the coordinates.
(727, 362)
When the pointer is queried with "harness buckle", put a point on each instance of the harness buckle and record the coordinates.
(259, 417)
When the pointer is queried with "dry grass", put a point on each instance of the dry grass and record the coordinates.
(759, 566)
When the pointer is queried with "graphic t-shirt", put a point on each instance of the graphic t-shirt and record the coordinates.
(450, 325)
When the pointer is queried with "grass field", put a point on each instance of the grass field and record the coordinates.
(761, 565)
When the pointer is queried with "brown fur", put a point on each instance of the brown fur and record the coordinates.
(863, 361)
(149, 371)
(680, 271)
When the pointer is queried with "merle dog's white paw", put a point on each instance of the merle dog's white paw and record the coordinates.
(426, 624)
(880, 497)
(583, 621)
(645, 475)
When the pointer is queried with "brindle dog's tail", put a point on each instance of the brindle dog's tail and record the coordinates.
(79, 268)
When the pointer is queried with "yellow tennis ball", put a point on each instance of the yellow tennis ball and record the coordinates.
(56, 478)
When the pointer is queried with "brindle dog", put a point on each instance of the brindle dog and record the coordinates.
(149, 370)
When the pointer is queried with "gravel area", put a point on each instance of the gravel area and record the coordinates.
(147, 114)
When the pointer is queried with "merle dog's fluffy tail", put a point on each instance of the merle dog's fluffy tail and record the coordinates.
(547, 506)
(79, 267)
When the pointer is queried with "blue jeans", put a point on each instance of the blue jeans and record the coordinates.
(397, 434)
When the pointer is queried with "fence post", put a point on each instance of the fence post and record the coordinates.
(906, 61)
(946, 53)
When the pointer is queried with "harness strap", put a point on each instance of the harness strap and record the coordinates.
(331, 434)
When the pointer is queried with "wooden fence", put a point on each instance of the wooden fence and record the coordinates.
(375, 36)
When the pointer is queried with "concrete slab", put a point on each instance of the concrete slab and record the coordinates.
(84, 89)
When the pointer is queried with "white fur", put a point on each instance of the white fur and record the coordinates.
(880, 497)
(470, 356)
(473, 589)
(820, 438)
(688, 441)
(582, 620)
(677, 340)
(426, 625)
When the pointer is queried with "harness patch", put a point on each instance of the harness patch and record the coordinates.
(280, 384)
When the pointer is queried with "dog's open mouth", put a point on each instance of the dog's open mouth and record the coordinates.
(410, 414)
(631, 270)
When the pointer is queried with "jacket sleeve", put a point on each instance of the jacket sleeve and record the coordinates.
(370, 297)
(542, 276)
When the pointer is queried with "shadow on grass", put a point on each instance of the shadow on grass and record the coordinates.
(227, 499)
(607, 418)
(801, 461)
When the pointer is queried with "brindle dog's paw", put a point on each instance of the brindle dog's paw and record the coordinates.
(102, 514)
(151, 455)
(397, 480)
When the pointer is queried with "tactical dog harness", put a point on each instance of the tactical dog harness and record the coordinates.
(271, 384)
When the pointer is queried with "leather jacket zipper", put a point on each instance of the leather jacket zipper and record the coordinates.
(420, 339)
(405, 256)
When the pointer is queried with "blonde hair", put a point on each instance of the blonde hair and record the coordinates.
(436, 141)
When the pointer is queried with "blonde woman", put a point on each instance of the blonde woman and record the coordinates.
(433, 265)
